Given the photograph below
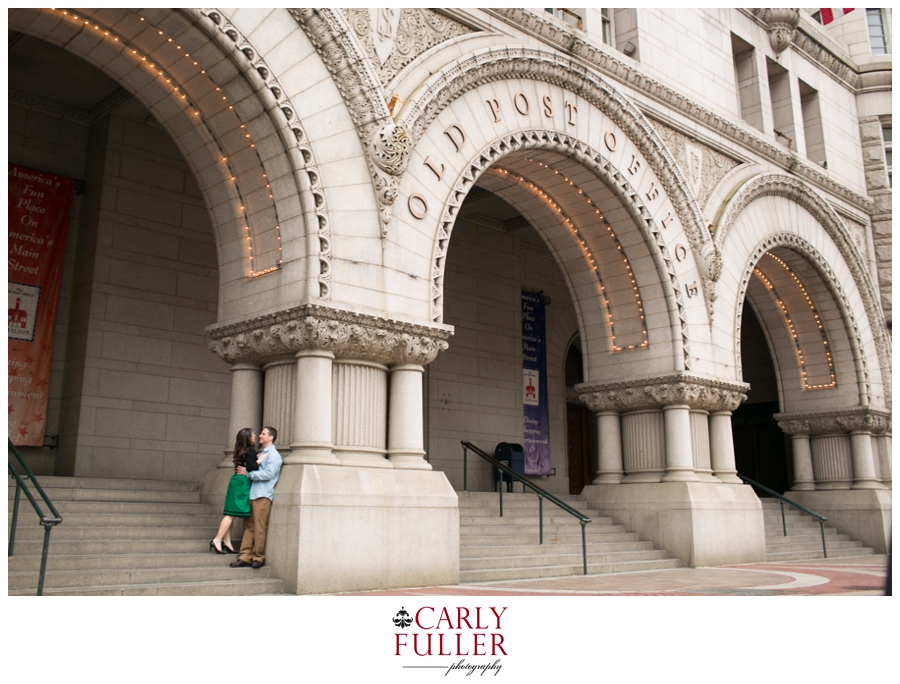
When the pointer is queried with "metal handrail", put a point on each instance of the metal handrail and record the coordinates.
(541, 494)
(784, 500)
(47, 521)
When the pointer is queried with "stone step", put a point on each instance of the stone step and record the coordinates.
(599, 537)
(63, 532)
(206, 520)
(123, 576)
(525, 518)
(528, 502)
(62, 494)
(517, 529)
(549, 549)
(248, 587)
(564, 559)
(806, 538)
(48, 482)
(119, 561)
(810, 555)
(113, 547)
(778, 530)
(813, 546)
(487, 575)
(67, 508)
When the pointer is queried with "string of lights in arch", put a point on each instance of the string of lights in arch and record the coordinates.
(620, 308)
(804, 325)
(236, 153)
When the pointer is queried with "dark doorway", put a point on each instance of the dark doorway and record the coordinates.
(760, 447)
(579, 425)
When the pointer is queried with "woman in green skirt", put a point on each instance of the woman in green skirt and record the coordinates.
(237, 498)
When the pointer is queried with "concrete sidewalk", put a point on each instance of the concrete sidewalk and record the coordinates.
(849, 576)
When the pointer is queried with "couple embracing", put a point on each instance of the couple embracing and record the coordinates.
(249, 496)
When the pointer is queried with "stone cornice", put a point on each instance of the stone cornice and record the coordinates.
(618, 70)
(860, 418)
(697, 392)
(345, 334)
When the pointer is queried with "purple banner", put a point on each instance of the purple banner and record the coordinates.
(534, 386)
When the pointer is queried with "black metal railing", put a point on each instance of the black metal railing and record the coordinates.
(48, 522)
(784, 500)
(541, 493)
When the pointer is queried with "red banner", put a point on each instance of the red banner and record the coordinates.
(38, 218)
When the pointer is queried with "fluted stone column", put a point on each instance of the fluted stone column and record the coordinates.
(884, 458)
(246, 404)
(804, 478)
(861, 426)
(643, 446)
(609, 448)
(406, 421)
(721, 447)
(700, 445)
(359, 413)
(279, 397)
(313, 409)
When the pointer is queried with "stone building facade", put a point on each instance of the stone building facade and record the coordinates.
(323, 220)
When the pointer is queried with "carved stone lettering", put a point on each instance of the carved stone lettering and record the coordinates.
(418, 206)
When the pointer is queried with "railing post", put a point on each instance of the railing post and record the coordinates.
(783, 521)
(47, 529)
(583, 546)
(500, 489)
(15, 517)
(541, 515)
(465, 468)
(822, 530)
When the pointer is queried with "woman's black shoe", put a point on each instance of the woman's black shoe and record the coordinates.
(228, 549)
(212, 547)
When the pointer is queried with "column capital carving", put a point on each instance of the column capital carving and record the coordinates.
(781, 23)
(346, 334)
(871, 420)
(696, 392)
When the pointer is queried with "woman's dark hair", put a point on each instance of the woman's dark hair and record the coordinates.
(242, 444)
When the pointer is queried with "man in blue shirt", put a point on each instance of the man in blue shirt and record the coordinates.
(262, 489)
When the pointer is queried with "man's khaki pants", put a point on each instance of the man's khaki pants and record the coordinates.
(253, 543)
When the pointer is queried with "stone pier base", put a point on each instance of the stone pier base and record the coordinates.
(864, 514)
(702, 524)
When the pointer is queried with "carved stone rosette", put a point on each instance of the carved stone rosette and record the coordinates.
(874, 421)
(696, 392)
(345, 334)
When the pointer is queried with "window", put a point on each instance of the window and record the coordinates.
(812, 124)
(879, 23)
(888, 152)
(747, 81)
(606, 17)
(782, 110)
(573, 17)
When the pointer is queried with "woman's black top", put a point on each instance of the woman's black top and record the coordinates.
(250, 463)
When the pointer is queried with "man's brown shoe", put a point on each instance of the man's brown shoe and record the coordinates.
(240, 564)
(256, 565)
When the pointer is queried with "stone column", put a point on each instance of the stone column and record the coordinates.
(721, 447)
(609, 448)
(246, 404)
(679, 452)
(279, 397)
(804, 479)
(406, 422)
(884, 457)
(861, 426)
(313, 410)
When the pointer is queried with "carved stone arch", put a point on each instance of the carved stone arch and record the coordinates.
(161, 57)
(832, 282)
(798, 192)
(291, 133)
(521, 62)
(615, 181)
(387, 144)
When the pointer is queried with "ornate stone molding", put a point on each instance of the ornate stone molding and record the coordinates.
(849, 420)
(416, 30)
(627, 74)
(249, 55)
(697, 392)
(346, 334)
(364, 96)
(821, 211)
(551, 140)
(781, 24)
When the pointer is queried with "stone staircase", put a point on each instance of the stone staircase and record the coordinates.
(804, 536)
(127, 538)
(495, 548)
